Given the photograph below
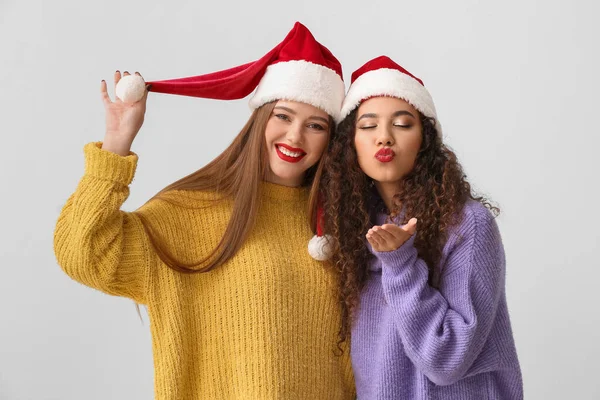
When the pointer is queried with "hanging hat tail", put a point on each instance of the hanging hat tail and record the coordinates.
(298, 69)
(320, 246)
(229, 84)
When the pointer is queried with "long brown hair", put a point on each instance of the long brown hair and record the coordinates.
(434, 192)
(235, 174)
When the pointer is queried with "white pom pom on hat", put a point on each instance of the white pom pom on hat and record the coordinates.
(130, 89)
(319, 247)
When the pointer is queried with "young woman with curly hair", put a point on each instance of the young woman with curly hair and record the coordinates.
(420, 255)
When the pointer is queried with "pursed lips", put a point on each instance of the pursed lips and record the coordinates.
(385, 155)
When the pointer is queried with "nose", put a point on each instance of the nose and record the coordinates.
(294, 134)
(385, 137)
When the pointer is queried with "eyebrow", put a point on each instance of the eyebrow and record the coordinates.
(396, 114)
(311, 117)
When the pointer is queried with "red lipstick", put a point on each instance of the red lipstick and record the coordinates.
(294, 154)
(385, 155)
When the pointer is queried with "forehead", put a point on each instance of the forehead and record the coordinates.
(304, 109)
(384, 105)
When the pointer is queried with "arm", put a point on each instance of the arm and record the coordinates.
(445, 330)
(95, 242)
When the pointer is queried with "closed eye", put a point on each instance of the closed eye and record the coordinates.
(368, 127)
(402, 126)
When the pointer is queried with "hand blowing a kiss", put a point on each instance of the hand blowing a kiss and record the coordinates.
(390, 237)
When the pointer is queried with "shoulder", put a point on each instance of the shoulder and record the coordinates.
(188, 199)
(178, 205)
(475, 218)
(476, 232)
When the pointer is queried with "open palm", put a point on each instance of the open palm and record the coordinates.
(390, 237)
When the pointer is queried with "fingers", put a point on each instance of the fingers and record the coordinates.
(411, 226)
(117, 78)
(394, 230)
(145, 96)
(147, 87)
(374, 244)
(384, 234)
(375, 239)
(105, 98)
(371, 242)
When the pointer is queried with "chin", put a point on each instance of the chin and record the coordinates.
(385, 179)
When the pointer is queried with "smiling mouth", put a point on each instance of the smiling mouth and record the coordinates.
(289, 154)
(385, 155)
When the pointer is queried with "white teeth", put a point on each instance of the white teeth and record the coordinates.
(288, 153)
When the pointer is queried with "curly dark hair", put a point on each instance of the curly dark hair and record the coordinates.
(434, 192)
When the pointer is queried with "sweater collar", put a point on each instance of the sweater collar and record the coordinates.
(286, 193)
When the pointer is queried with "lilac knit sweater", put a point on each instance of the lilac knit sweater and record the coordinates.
(411, 341)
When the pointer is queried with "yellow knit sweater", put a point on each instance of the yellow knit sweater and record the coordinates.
(261, 326)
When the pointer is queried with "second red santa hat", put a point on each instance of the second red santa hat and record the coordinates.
(381, 76)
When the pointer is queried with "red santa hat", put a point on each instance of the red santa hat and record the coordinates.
(383, 77)
(298, 69)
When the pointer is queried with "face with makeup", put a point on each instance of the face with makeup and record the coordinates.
(296, 136)
(387, 140)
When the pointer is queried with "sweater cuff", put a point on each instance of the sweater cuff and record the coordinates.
(109, 166)
(398, 257)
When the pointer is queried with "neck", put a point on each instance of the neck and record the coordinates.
(291, 182)
(386, 191)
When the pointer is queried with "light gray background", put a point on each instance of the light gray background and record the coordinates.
(515, 84)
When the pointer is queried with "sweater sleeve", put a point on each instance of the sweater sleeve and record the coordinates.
(96, 243)
(444, 330)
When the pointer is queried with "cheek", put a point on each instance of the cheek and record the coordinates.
(317, 144)
(362, 147)
(272, 131)
(413, 147)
